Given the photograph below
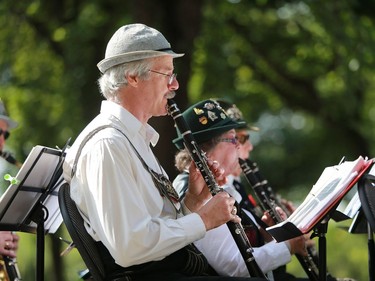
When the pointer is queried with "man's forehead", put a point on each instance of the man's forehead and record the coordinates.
(163, 61)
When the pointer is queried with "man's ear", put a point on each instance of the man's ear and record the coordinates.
(132, 80)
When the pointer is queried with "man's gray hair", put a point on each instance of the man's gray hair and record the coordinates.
(115, 77)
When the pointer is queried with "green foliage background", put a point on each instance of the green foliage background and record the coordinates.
(302, 71)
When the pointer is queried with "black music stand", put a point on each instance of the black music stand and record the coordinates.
(320, 231)
(31, 203)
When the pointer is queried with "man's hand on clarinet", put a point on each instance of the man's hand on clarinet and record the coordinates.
(219, 210)
(266, 218)
(215, 210)
(198, 193)
(298, 246)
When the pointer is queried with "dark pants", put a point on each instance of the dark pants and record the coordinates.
(167, 269)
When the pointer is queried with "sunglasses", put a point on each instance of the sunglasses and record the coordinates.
(243, 138)
(6, 134)
(230, 140)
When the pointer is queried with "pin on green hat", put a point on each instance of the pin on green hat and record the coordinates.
(206, 119)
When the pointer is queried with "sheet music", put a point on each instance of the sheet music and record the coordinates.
(353, 207)
(33, 178)
(328, 187)
(331, 186)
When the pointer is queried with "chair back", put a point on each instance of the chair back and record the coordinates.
(366, 193)
(84, 243)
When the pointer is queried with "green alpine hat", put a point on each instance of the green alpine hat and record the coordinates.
(206, 119)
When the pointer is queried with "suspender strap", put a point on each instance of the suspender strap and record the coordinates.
(91, 134)
(85, 140)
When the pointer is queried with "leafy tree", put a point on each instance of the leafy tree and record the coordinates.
(305, 81)
(48, 71)
(300, 70)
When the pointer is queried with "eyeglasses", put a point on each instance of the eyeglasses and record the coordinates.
(6, 134)
(171, 76)
(230, 140)
(243, 138)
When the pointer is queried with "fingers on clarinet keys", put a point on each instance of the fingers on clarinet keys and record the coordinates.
(235, 218)
(215, 165)
(218, 172)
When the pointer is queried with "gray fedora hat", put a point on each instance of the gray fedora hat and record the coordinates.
(135, 42)
(4, 116)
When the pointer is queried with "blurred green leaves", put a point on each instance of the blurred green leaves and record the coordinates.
(303, 71)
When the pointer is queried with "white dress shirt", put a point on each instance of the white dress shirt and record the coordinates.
(117, 197)
(222, 252)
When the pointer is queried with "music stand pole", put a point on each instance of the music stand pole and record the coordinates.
(320, 231)
(39, 219)
(371, 251)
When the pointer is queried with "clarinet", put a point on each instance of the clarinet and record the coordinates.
(12, 269)
(200, 161)
(261, 190)
(269, 192)
(11, 266)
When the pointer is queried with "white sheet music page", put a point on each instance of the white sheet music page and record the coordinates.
(331, 186)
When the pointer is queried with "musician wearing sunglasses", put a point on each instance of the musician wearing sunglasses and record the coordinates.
(218, 244)
(8, 239)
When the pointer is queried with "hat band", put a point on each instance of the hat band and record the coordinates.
(165, 49)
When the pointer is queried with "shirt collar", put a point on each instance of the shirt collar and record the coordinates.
(133, 125)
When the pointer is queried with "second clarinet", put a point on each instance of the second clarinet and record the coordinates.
(261, 190)
(198, 156)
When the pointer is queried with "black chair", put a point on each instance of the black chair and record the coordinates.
(366, 192)
(84, 243)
